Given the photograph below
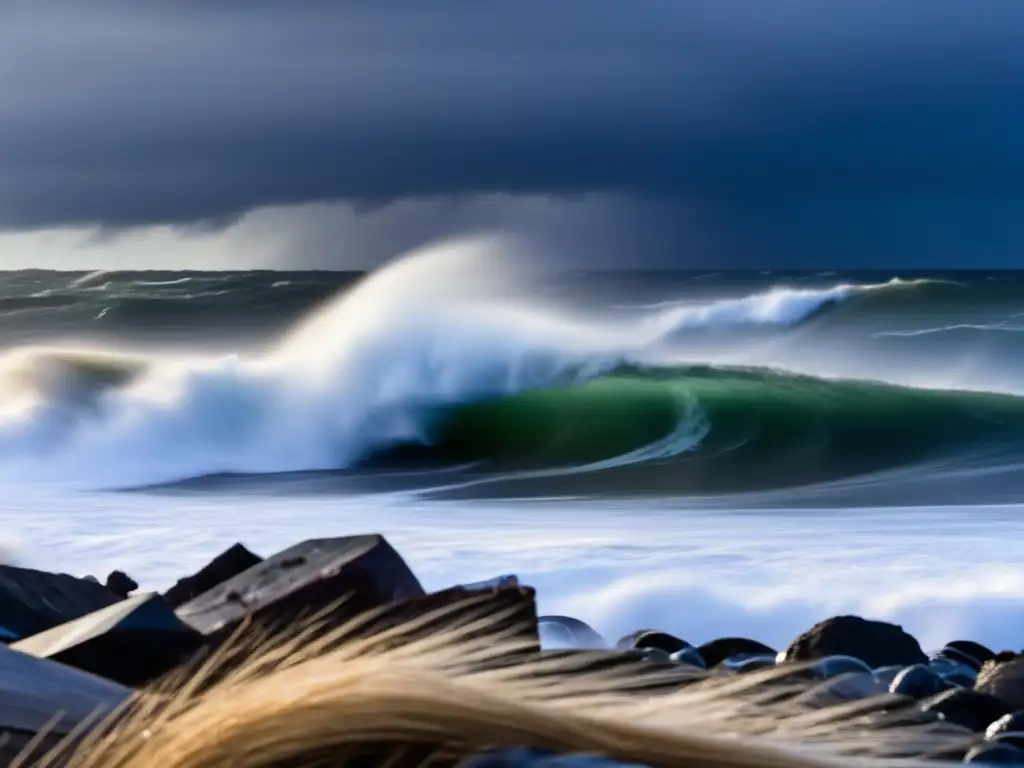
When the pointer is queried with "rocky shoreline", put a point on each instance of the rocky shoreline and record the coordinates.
(75, 650)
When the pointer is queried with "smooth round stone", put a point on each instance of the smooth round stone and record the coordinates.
(565, 631)
(846, 686)
(967, 652)
(688, 656)
(1008, 727)
(660, 640)
(918, 682)
(888, 674)
(747, 663)
(995, 753)
(716, 651)
(832, 666)
(970, 709)
(953, 671)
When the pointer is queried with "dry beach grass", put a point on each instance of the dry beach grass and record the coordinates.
(410, 697)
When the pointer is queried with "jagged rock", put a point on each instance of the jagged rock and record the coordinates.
(132, 642)
(232, 561)
(121, 584)
(33, 601)
(877, 643)
(715, 652)
(317, 574)
(33, 692)
(1003, 677)
(973, 710)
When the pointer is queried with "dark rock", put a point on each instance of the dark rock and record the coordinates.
(34, 601)
(1010, 724)
(831, 666)
(498, 582)
(132, 642)
(837, 689)
(953, 671)
(303, 580)
(653, 638)
(967, 652)
(35, 693)
(877, 643)
(973, 710)
(690, 656)
(918, 682)
(995, 753)
(1003, 676)
(570, 632)
(715, 652)
(234, 560)
(888, 674)
(121, 584)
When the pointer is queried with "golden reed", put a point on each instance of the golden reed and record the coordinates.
(403, 697)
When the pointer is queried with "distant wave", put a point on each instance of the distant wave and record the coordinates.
(429, 360)
(781, 306)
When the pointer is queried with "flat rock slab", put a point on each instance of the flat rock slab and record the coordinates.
(33, 691)
(132, 642)
(234, 560)
(33, 601)
(305, 579)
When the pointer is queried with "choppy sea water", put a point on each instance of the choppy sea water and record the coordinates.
(709, 454)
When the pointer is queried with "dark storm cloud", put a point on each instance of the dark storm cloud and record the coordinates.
(123, 113)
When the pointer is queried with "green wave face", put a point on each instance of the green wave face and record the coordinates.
(758, 429)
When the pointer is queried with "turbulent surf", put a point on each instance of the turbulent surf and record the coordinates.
(462, 367)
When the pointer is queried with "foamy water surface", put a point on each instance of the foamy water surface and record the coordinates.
(619, 566)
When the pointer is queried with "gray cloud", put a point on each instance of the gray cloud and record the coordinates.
(123, 113)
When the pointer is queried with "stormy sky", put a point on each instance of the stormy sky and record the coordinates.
(336, 133)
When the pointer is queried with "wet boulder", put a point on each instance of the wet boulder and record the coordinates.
(567, 632)
(918, 682)
(348, 575)
(234, 560)
(1003, 677)
(33, 601)
(876, 643)
(652, 638)
(133, 642)
(716, 651)
(974, 711)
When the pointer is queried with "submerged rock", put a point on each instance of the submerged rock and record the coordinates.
(132, 642)
(302, 580)
(234, 560)
(876, 643)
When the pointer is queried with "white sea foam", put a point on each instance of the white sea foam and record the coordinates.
(943, 574)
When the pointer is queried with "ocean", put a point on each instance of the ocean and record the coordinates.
(706, 453)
